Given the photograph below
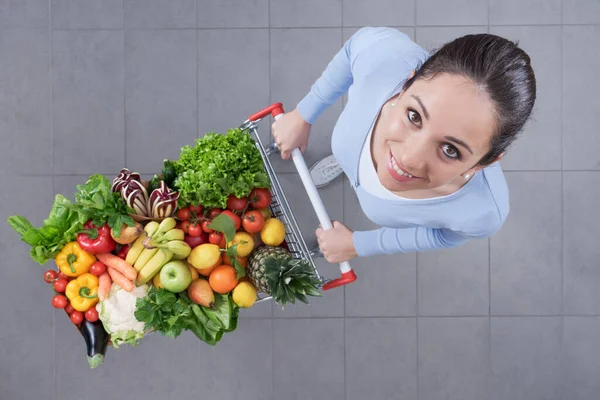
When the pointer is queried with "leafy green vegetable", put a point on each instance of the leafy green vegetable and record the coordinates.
(102, 205)
(224, 224)
(61, 227)
(218, 166)
(170, 314)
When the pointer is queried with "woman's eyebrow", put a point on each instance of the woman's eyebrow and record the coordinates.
(418, 99)
(460, 142)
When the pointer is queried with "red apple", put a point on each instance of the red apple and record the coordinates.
(196, 241)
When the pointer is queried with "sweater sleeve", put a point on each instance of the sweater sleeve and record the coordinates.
(342, 70)
(405, 240)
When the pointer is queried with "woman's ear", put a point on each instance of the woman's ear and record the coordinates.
(414, 71)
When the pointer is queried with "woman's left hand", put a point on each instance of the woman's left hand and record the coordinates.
(336, 243)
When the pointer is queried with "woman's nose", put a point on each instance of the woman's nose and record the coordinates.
(414, 154)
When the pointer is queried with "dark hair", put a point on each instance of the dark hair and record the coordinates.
(501, 69)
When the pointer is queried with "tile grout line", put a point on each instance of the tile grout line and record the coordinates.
(197, 72)
(562, 205)
(124, 92)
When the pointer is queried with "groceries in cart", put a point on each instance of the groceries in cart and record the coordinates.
(189, 249)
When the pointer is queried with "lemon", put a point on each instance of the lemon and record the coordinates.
(205, 256)
(244, 295)
(273, 232)
(246, 243)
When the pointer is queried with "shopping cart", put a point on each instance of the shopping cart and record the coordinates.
(280, 207)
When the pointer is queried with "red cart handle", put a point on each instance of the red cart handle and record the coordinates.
(273, 109)
(346, 278)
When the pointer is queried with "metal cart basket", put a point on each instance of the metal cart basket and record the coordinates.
(280, 207)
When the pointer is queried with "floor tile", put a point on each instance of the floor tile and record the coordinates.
(379, 13)
(25, 108)
(579, 96)
(386, 284)
(232, 14)
(301, 13)
(409, 30)
(87, 14)
(233, 78)
(581, 12)
(160, 14)
(453, 358)
(530, 12)
(543, 44)
(24, 14)
(298, 58)
(525, 358)
(581, 288)
(381, 358)
(309, 358)
(160, 96)
(88, 95)
(526, 252)
(432, 38)
(580, 358)
(443, 12)
(454, 281)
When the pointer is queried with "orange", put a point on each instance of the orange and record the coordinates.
(223, 279)
(242, 260)
(206, 271)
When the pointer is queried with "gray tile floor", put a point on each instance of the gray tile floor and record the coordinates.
(90, 86)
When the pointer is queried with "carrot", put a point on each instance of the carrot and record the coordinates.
(118, 264)
(120, 280)
(103, 286)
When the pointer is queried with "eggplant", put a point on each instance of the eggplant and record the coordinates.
(96, 341)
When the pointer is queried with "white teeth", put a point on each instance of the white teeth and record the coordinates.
(398, 170)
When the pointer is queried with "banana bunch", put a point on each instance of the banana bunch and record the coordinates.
(158, 244)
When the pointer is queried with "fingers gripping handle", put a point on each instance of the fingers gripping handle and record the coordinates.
(348, 274)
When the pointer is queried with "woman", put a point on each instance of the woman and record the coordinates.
(419, 138)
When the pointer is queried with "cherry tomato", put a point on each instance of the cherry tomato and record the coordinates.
(237, 221)
(50, 276)
(215, 238)
(236, 204)
(184, 213)
(69, 309)
(60, 285)
(205, 227)
(185, 226)
(195, 230)
(98, 268)
(214, 212)
(59, 301)
(63, 276)
(253, 221)
(91, 314)
(197, 209)
(260, 198)
(77, 317)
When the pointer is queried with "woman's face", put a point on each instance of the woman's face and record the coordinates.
(437, 130)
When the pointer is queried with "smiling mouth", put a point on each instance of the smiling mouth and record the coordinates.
(401, 174)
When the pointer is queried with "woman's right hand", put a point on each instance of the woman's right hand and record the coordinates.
(290, 132)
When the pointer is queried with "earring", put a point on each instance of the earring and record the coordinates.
(466, 176)
(393, 104)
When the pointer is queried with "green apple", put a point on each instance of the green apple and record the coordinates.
(175, 276)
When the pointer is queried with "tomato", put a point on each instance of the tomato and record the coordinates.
(50, 276)
(60, 285)
(91, 314)
(195, 230)
(197, 209)
(205, 227)
(216, 238)
(77, 317)
(214, 212)
(97, 268)
(63, 276)
(260, 198)
(237, 221)
(183, 213)
(59, 301)
(185, 226)
(236, 204)
(253, 221)
(69, 309)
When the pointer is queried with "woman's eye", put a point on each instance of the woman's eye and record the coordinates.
(450, 151)
(414, 117)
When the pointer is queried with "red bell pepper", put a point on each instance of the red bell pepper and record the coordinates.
(96, 240)
(123, 252)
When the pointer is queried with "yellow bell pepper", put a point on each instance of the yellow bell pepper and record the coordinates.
(83, 292)
(73, 260)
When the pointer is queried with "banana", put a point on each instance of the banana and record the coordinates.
(136, 249)
(144, 258)
(173, 234)
(153, 266)
(179, 248)
(151, 228)
(166, 225)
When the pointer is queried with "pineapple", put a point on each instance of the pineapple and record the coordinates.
(273, 271)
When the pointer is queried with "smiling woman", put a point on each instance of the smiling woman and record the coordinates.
(419, 138)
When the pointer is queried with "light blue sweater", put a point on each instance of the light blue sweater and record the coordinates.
(372, 67)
